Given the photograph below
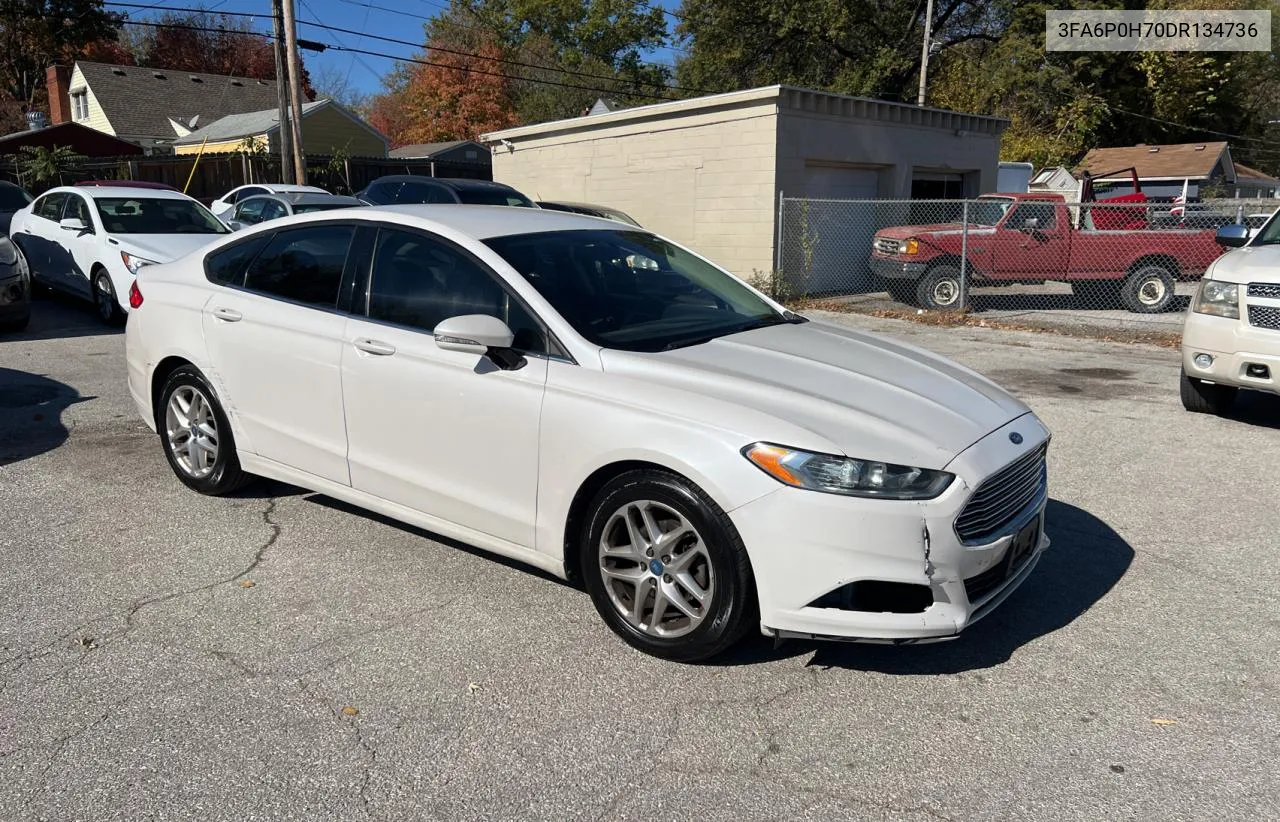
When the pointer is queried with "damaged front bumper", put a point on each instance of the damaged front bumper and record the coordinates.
(855, 569)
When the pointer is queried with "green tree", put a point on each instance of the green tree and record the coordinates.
(39, 166)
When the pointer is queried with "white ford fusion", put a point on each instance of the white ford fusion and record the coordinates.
(90, 242)
(603, 404)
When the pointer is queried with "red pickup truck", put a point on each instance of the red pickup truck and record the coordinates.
(1032, 238)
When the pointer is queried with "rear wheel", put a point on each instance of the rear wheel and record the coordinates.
(665, 567)
(1148, 290)
(941, 289)
(104, 297)
(1201, 397)
(196, 436)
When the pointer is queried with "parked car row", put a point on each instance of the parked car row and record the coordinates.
(89, 239)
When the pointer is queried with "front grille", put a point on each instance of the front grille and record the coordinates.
(1002, 496)
(1264, 290)
(1264, 316)
(885, 246)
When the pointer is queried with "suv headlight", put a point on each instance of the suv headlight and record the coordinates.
(1218, 298)
(834, 474)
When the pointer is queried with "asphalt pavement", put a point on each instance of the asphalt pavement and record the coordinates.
(280, 655)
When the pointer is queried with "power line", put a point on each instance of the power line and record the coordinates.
(1191, 128)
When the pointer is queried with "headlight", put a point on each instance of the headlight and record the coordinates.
(134, 262)
(843, 475)
(911, 246)
(8, 254)
(1219, 299)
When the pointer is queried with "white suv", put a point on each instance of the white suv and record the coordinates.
(1231, 339)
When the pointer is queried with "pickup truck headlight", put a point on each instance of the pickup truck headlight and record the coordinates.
(911, 246)
(133, 262)
(1218, 298)
(833, 474)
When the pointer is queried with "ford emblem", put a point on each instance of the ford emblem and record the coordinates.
(1015, 438)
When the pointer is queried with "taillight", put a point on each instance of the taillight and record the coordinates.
(135, 296)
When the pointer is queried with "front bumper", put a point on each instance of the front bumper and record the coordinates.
(1234, 345)
(894, 269)
(804, 545)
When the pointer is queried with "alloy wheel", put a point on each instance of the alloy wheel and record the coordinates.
(104, 297)
(192, 431)
(656, 569)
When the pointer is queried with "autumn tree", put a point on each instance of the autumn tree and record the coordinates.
(35, 34)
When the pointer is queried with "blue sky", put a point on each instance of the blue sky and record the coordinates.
(400, 19)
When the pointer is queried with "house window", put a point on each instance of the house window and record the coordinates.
(80, 105)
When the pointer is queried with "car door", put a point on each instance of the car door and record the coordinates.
(39, 236)
(442, 432)
(274, 333)
(1024, 250)
(82, 247)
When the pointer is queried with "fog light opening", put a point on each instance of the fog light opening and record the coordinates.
(876, 596)
(1257, 371)
(1203, 361)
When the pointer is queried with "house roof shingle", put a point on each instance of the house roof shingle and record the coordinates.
(1185, 160)
(246, 124)
(424, 150)
(1244, 172)
(139, 102)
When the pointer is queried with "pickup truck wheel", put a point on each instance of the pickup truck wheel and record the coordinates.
(1148, 290)
(941, 289)
(1200, 397)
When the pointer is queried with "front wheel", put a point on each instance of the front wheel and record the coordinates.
(1201, 397)
(665, 567)
(1148, 290)
(104, 297)
(941, 289)
(196, 435)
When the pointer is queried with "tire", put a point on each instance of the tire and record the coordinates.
(1200, 397)
(210, 465)
(1099, 294)
(104, 298)
(1148, 289)
(941, 289)
(696, 548)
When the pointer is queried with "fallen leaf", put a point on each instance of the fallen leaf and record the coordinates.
(1157, 720)
(350, 710)
(474, 686)
(248, 583)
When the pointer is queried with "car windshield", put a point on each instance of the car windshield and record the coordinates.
(989, 210)
(493, 196)
(1269, 234)
(310, 207)
(145, 215)
(633, 291)
(13, 198)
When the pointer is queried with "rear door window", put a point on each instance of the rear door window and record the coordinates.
(227, 265)
(50, 206)
(303, 265)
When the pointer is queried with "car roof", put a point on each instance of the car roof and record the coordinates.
(125, 190)
(282, 188)
(455, 183)
(480, 222)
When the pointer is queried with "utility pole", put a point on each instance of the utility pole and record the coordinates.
(924, 56)
(282, 93)
(295, 89)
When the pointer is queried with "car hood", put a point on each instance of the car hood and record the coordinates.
(163, 248)
(1251, 264)
(903, 232)
(870, 397)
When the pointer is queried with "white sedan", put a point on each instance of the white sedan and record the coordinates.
(223, 205)
(603, 404)
(90, 242)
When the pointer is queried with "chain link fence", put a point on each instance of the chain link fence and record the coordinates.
(1004, 255)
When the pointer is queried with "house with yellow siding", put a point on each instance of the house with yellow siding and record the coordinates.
(327, 128)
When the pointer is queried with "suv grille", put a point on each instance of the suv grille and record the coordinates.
(1264, 290)
(1264, 316)
(885, 246)
(1002, 496)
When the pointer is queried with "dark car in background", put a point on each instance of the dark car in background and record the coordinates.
(590, 210)
(15, 288)
(12, 198)
(264, 207)
(411, 189)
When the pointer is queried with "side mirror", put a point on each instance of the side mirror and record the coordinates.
(236, 225)
(473, 334)
(1031, 224)
(73, 224)
(1232, 236)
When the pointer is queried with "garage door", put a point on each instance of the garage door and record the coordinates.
(839, 234)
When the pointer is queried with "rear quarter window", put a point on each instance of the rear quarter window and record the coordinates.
(227, 265)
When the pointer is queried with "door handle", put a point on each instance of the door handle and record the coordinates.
(375, 347)
(228, 314)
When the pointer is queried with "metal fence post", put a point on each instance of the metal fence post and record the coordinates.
(964, 256)
(777, 251)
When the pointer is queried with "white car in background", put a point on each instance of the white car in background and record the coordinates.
(90, 242)
(601, 403)
(222, 206)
